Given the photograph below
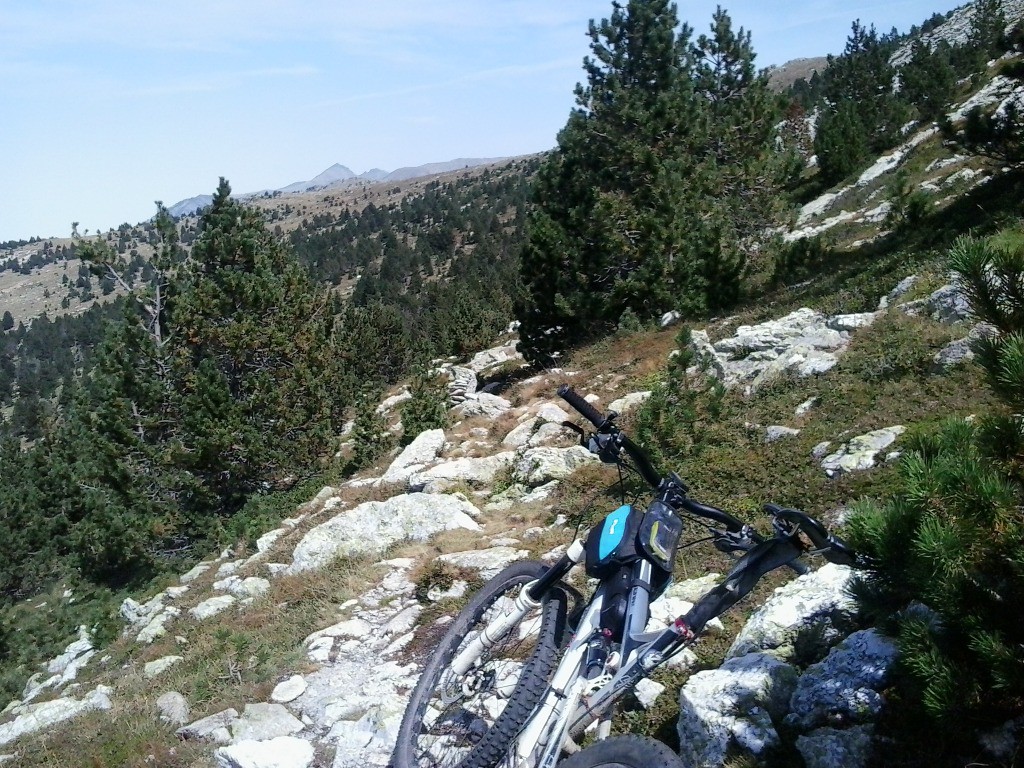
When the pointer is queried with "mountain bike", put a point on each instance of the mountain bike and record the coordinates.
(529, 665)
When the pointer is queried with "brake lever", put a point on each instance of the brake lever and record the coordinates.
(605, 447)
(731, 542)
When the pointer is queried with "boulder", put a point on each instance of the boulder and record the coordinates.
(483, 404)
(802, 619)
(159, 666)
(280, 752)
(262, 722)
(173, 708)
(374, 525)
(492, 358)
(861, 452)
(157, 625)
(829, 747)
(629, 402)
(33, 718)
(211, 607)
(844, 687)
(419, 453)
(215, 727)
(778, 432)
(288, 690)
(476, 472)
(540, 465)
(732, 707)
(253, 586)
(487, 561)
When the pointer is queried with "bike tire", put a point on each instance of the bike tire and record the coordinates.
(483, 743)
(627, 751)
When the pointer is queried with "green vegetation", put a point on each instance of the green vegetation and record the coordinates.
(945, 558)
(662, 178)
(201, 408)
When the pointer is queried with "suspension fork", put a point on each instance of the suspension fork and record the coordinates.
(527, 600)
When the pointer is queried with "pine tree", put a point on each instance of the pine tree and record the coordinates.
(254, 361)
(663, 174)
(597, 239)
(946, 556)
(927, 80)
(860, 106)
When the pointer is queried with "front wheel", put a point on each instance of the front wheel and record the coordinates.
(469, 721)
(627, 751)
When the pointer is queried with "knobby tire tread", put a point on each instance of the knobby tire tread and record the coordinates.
(532, 684)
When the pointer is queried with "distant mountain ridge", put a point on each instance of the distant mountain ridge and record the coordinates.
(339, 175)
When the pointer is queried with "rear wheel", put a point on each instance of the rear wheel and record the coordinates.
(469, 721)
(627, 751)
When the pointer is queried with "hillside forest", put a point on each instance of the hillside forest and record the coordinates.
(222, 357)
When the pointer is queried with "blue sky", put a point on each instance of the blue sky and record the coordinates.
(109, 105)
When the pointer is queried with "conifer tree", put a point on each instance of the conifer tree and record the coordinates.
(861, 114)
(597, 239)
(663, 172)
(254, 357)
(946, 557)
(927, 80)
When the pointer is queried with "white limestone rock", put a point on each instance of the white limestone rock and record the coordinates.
(72, 652)
(288, 690)
(268, 539)
(732, 707)
(538, 466)
(801, 343)
(492, 358)
(211, 607)
(280, 752)
(253, 586)
(552, 413)
(195, 573)
(647, 692)
(861, 452)
(629, 402)
(852, 322)
(778, 432)
(262, 722)
(844, 687)
(805, 407)
(172, 708)
(374, 525)
(520, 435)
(390, 403)
(477, 472)
(159, 666)
(487, 561)
(157, 627)
(215, 728)
(418, 454)
(482, 404)
(816, 605)
(33, 718)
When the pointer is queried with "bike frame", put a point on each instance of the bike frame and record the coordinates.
(572, 702)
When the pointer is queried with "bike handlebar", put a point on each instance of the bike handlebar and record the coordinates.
(787, 522)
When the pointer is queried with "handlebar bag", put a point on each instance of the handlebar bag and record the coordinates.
(613, 543)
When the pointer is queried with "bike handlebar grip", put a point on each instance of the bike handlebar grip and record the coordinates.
(588, 411)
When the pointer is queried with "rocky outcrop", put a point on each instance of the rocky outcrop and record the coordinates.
(813, 610)
(803, 342)
(733, 707)
(861, 452)
(373, 525)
